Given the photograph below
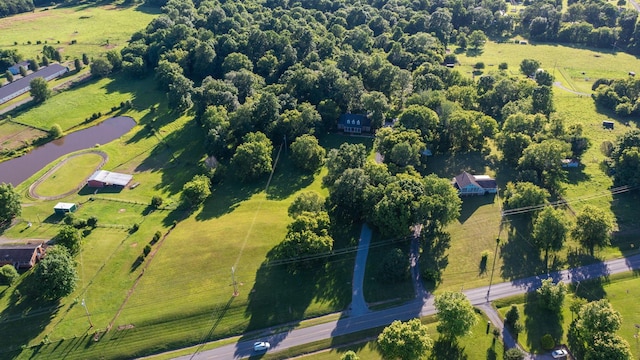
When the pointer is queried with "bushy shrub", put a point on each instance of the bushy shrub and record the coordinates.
(547, 342)
(146, 250)
(8, 274)
(92, 221)
(156, 201)
(134, 228)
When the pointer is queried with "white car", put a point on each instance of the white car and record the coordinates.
(261, 346)
(559, 354)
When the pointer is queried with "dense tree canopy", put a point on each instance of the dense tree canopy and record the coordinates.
(593, 228)
(404, 340)
(10, 206)
(39, 90)
(551, 295)
(308, 201)
(455, 314)
(307, 154)
(56, 274)
(252, 158)
(550, 230)
(70, 238)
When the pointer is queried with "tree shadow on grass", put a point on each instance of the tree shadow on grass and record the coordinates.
(588, 274)
(226, 197)
(577, 175)
(445, 348)
(434, 258)
(287, 179)
(520, 258)
(625, 210)
(540, 321)
(472, 203)
(450, 165)
(25, 317)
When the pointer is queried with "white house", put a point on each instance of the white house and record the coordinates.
(468, 184)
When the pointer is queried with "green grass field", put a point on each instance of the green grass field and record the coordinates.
(72, 107)
(86, 25)
(68, 176)
(14, 136)
(622, 291)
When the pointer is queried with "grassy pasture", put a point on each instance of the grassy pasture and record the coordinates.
(14, 136)
(566, 63)
(68, 176)
(72, 107)
(95, 29)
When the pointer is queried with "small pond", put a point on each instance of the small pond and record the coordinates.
(20, 169)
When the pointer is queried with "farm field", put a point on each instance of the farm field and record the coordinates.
(14, 136)
(59, 26)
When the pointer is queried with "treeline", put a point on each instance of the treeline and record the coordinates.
(248, 70)
(11, 7)
(596, 23)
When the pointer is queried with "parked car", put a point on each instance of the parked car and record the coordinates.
(261, 346)
(559, 354)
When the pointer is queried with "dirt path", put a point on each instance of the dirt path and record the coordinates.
(558, 84)
(34, 186)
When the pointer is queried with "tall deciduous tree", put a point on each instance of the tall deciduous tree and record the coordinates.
(10, 206)
(550, 231)
(442, 204)
(598, 317)
(56, 274)
(347, 156)
(196, 191)
(308, 201)
(551, 295)
(404, 340)
(608, 346)
(307, 154)
(70, 238)
(524, 194)
(40, 89)
(455, 314)
(252, 158)
(593, 228)
(100, 67)
(545, 159)
(308, 236)
(529, 66)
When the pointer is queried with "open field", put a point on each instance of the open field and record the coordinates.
(69, 175)
(86, 25)
(72, 107)
(566, 63)
(14, 136)
(622, 291)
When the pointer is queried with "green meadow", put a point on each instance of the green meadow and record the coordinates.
(62, 179)
(95, 30)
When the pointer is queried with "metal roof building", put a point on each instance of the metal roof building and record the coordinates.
(22, 85)
(102, 178)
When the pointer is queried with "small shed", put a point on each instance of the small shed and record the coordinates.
(15, 68)
(102, 178)
(608, 124)
(63, 208)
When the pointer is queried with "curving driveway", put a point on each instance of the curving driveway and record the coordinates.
(45, 176)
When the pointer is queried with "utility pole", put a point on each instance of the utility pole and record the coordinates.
(233, 279)
(84, 304)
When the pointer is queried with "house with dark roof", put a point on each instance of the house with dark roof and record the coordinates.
(22, 85)
(354, 123)
(21, 256)
(468, 184)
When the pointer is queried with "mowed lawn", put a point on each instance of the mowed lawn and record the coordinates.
(94, 29)
(69, 175)
(72, 107)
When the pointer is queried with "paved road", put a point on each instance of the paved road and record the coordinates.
(418, 307)
(358, 305)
